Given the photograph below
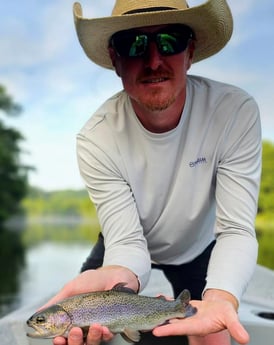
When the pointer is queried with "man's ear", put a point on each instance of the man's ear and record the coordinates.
(113, 56)
(191, 50)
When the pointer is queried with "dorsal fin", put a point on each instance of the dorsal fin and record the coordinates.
(162, 297)
(121, 287)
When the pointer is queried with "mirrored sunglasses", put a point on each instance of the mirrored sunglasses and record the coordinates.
(169, 41)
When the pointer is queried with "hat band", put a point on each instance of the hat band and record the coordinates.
(151, 9)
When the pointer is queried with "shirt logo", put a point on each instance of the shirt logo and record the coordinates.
(200, 160)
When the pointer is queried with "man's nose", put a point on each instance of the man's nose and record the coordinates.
(153, 58)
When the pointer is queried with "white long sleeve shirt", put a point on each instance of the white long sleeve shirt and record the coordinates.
(164, 197)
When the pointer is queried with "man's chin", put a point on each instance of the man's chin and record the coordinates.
(157, 105)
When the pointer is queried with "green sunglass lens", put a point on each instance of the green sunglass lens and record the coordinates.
(166, 44)
(129, 44)
(138, 47)
(170, 44)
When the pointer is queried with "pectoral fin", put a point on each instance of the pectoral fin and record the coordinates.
(131, 335)
(85, 330)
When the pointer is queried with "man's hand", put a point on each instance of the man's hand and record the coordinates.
(93, 280)
(100, 279)
(218, 311)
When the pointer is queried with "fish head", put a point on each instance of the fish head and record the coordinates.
(49, 323)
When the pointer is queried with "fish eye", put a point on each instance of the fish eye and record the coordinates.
(40, 319)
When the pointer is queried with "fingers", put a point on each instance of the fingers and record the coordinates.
(238, 332)
(59, 341)
(234, 327)
(177, 327)
(209, 319)
(95, 336)
(75, 336)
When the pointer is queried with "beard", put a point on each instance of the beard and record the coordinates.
(156, 101)
(157, 98)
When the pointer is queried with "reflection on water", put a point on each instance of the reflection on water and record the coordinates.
(48, 267)
(37, 261)
(12, 258)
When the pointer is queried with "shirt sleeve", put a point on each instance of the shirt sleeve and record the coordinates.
(234, 256)
(125, 244)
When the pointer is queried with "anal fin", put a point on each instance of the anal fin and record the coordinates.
(131, 335)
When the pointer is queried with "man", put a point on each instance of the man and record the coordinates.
(172, 164)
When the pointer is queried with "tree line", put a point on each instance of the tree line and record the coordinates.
(66, 203)
(13, 174)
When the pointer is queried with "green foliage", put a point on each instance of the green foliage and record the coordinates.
(266, 198)
(7, 105)
(66, 216)
(265, 218)
(86, 232)
(265, 235)
(13, 175)
(69, 203)
(266, 249)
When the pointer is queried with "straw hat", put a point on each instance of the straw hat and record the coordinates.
(212, 23)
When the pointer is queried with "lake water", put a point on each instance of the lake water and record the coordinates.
(31, 273)
(47, 267)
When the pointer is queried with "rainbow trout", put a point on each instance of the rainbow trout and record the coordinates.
(119, 309)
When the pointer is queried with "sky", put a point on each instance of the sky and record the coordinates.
(45, 70)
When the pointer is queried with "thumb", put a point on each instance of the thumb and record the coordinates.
(63, 293)
(238, 332)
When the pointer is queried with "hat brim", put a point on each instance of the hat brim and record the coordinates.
(212, 23)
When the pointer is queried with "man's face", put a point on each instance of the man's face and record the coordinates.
(153, 81)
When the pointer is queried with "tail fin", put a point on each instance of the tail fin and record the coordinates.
(184, 299)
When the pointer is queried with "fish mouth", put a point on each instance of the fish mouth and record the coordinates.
(36, 333)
